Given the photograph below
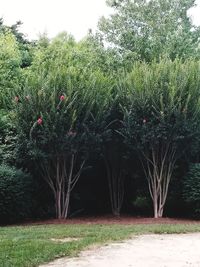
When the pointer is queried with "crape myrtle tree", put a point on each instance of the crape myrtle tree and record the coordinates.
(91, 54)
(50, 124)
(55, 114)
(116, 174)
(161, 119)
(113, 152)
(111, 147)
(147, 29)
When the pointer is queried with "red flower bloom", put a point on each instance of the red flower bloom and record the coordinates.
(39, 121)
(62, 97)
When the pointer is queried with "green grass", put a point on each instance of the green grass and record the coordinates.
(25, 246)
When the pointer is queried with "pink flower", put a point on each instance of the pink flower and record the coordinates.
(144, 120)
(71, 133)
(16, 99)
(39, 121)
(62, 97)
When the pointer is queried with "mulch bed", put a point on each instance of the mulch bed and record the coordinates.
(113, 220)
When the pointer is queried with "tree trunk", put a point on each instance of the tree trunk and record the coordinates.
(155, 207)
(115, 178)
(61, 178)
(158, 167)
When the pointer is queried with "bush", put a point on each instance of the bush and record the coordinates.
(7, 138)
(142, 205)
(191, 189)
(16, 189)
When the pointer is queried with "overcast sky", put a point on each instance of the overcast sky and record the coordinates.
(54, 16)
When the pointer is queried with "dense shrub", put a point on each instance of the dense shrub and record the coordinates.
(142, 205)
(191, 189)
(16, 188)
(7, 138)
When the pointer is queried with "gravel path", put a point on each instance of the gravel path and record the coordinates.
(176, 250)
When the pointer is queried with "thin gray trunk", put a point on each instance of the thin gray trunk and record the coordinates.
(158, 166)
(61, 178)
(115, 178)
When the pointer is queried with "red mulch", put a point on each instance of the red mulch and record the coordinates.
(113, 220)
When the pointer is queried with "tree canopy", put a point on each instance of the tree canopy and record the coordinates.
(145, 30)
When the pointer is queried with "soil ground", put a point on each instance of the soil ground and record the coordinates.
(114, 220)
(175, 250)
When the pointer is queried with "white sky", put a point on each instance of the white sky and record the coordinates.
(54, 16)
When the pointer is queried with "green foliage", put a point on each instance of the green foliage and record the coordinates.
(146, 30)
(16, 189)
(60, 70)
(161, 119)
(191, 188)
(10, 73)
(15, 56)
(25, 46)
(57, 112)
(142, 205)
(7, 138)
(67, 100)
(163, 102)
(64, 122)
(96, 55)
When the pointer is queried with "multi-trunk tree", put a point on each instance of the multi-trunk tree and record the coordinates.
(54, 117)
(113, 153)
(161, 120)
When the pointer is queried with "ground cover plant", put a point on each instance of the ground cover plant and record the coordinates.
(24, 246)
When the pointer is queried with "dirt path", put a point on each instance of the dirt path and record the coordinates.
(176, 250)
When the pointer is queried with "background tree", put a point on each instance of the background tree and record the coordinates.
(114, 158)
(145, 30)
(25, 46)
(113, 152)
(10, 71)
(111, 148)
(96, 54)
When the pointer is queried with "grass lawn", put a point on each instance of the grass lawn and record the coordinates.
(25, 246)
